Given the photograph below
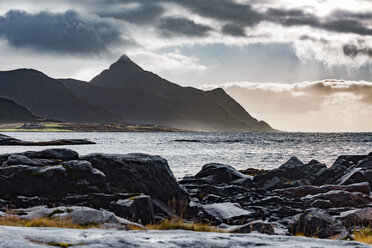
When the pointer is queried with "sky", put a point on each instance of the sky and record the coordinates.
(299, 65)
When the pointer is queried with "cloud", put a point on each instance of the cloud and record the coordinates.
(58, 32)
(182, 26)
(140, 14)
(233, 29)
(352, 50)
(346, 105)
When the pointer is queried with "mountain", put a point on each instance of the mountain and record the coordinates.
(49, 99)
(140, 96)
(11, 112)
(124, 66)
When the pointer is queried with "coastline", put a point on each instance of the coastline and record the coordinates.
(293, 199)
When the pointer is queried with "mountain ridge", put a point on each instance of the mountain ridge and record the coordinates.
(11, 112)
(48, 98)
(126, 93)
(173, 105)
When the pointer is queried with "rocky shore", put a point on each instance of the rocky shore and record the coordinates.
(122, 191)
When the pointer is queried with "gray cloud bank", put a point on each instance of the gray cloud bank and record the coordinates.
(70, 30)
(61, 32)
(328, 105)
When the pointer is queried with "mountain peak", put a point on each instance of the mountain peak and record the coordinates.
(125, 58)
(123, 68)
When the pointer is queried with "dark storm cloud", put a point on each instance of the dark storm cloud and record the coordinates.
(342, 22)
(236, 15)
(353, 50)
(182, 26)
(144, 14)
(64, 32)
(233, 29)
(224, 10)
(244, 14)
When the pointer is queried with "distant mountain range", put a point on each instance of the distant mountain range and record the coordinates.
(125, 93)
(11, 112)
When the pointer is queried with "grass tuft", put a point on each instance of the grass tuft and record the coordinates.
(43, 222)
(172, 225)
(364, 236)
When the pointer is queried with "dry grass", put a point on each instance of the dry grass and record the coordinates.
(42, 222)
(364, 236)
(173, 225)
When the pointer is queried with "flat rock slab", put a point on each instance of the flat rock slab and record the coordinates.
(40, 237)
(6, 140)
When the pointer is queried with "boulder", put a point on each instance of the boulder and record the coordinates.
(354, 176)
(365, 163)
(225, 212)
(357, 217)
(139, 173)
(348, 160)
(302, 191)
(138, 208)
(316, 223)
(81, 169)
(76, 214)
(21, 159)
(50, 181)
(254, 226)
(219, 173)
(60, 154)
(340, 198)
(291, 174)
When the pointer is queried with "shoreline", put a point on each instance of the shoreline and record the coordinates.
(293, 199)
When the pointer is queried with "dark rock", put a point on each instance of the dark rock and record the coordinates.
(219, 173)
(254, 226)
(317, 223)
(302, 191)
(139, 173)
(273, 183)
(225, 212)
(76, 214)
(9, 141)
(21, 159)
(290, 171)
(160, 208)
(354, 176)
(61, 154)
(340, 198)
(50, 181)
(80, 169)
(139, 209)
(357, 217)
(348, 160)
(321, 204)
(6, 140)
(365, 163)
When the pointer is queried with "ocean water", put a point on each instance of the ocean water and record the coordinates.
(188, 152)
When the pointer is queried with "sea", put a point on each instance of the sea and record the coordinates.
(187, 152)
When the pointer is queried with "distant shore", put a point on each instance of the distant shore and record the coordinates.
(82, 127)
